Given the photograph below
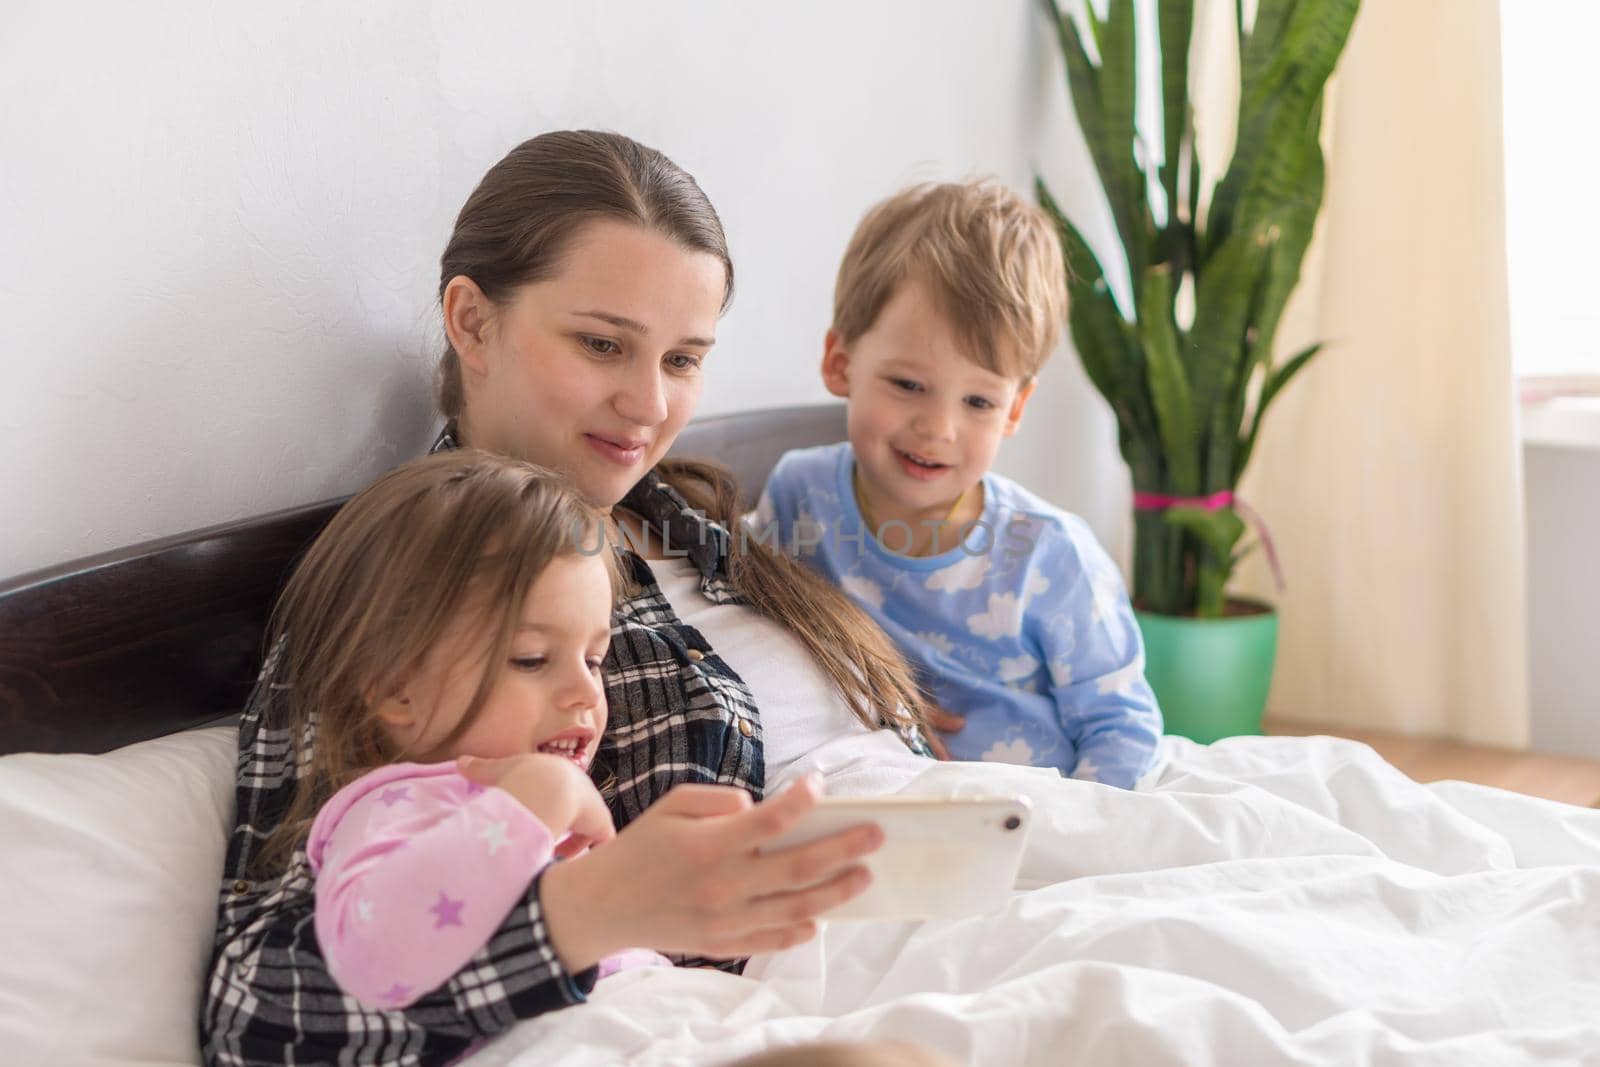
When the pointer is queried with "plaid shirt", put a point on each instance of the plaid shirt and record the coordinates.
(678, 713)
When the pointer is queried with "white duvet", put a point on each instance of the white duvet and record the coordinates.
(1264, 901)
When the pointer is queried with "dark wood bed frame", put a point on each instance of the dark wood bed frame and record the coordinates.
(143, 641)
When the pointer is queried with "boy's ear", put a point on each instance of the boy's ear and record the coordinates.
(467, 312)
(1018, 403)
(835, 365)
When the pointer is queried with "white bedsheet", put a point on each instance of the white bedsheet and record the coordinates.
(1266, 901)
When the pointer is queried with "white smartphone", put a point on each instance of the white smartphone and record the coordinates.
(942, 857)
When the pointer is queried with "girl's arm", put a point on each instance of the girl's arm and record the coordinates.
(685, 876)
(417, 868)
(688, 877)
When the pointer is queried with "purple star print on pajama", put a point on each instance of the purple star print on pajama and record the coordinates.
(448, 911)
(389, 932)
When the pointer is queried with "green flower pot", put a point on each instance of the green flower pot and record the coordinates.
(1211, 676)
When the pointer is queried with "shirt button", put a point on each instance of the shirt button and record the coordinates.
(241, 887)
(696, 655)
(745, 727)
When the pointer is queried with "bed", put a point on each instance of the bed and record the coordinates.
(1257, 901)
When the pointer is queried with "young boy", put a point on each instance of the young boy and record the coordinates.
(949, 299)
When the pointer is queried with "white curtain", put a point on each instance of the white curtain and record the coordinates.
(1389, 473)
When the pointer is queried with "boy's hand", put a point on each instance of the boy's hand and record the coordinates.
(555, 790)
(943, 722)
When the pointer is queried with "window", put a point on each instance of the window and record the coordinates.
(1550, 81)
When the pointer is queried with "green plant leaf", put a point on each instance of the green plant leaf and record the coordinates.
(1197, 240)
(1210, 587)
(1224, 300)
(1277, 378)
(1114, 364)
(1126, 184)
(1103, 98)
(1181, 397)
(1282, 211)
(1286, 62)
(1218, 532)
(1222, 443)
(1292, 208)
(1264, 39)
(1175, 26)
(1097, 26)
(1169, 386)
(1160, 578)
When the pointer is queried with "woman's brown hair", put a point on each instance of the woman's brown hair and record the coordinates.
(514, 229)
(441, 542)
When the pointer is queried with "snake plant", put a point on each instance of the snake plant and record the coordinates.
(1189, 390)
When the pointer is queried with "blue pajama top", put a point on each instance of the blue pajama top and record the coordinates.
(1025, 628)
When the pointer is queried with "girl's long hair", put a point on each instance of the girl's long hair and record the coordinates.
(514, 229)
(443, 546)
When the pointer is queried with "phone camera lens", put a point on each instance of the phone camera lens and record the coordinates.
(1013, 821)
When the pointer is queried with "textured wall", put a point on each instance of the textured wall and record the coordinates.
(221, 226)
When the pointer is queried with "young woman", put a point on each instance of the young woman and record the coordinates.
(581, 291)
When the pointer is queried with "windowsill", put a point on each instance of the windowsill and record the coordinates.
(1562, 422)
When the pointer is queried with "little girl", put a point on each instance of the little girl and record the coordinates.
(444, 635)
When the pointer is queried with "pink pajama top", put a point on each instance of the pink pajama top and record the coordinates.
(416, 868)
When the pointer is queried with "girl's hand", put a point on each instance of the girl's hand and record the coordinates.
(687, 877)
(555, 790)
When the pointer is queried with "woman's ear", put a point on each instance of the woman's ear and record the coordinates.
(467, 312)
(835, 364)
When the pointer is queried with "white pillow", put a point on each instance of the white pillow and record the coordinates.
(109, 872)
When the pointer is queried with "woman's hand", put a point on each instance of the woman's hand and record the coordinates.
(943, 722)
(687, 877)
(556, 790)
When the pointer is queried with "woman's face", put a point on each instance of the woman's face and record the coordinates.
(591, 372)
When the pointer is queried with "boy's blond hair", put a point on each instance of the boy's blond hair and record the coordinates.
(990, 260)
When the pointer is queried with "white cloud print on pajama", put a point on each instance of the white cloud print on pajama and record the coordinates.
(1026, 629)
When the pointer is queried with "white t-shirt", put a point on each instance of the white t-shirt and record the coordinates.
(804, 723)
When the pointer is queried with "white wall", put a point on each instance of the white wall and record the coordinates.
(221, 227)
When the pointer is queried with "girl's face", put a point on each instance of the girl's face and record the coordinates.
(591, 372)
(546, 697)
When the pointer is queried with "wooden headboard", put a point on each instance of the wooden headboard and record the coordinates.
(143, 641)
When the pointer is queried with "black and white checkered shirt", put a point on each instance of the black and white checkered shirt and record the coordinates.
(678, 713)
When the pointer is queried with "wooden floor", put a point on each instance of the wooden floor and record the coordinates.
(1564, 778)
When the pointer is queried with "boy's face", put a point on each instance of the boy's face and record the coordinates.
(925, 420)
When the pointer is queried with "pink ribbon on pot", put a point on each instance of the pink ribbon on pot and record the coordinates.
(1143, 501)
